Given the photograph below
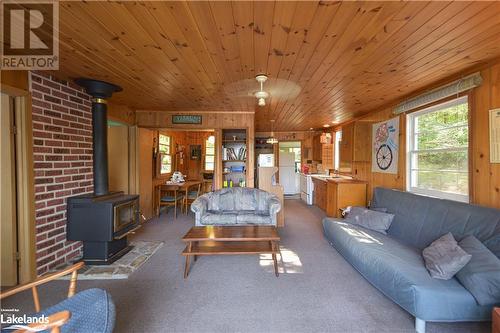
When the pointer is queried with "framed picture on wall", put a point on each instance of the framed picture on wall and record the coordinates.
(195, 152)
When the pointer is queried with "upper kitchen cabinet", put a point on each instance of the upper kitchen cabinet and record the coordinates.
(362, 145)
(317, 149)
(354, 147)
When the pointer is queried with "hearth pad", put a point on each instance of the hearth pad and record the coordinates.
(121, 268)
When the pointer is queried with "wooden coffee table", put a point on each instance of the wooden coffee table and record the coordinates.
(231, 240)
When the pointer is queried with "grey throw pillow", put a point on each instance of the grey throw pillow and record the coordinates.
(369, 219)
(379, 209)
(444, 258)
(481, 276)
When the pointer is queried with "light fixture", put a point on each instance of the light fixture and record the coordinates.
(326, 125)
(272, 140)
(261, 95)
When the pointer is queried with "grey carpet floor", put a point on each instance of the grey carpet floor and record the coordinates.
(317, 290)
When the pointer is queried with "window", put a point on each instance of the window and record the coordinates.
(164, 148)
(338, 138)
(210, 153)
(438, 141)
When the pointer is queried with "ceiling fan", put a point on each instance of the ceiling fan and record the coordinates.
(274, 88)
(261, 95)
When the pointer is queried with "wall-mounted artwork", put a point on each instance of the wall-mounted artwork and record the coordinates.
(385, 150)
(495, 136)
(195, 152)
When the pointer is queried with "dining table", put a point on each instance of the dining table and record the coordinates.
(175, 187)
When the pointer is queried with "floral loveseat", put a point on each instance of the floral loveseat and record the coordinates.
(236, 206)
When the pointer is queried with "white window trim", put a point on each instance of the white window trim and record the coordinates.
(409, 151)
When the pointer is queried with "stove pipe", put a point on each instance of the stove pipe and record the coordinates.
(100, 91)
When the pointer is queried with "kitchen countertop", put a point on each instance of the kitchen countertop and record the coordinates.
(337, 179)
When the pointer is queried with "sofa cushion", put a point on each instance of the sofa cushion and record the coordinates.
(444, 258)
(245, 200)
(219, 218)
(398, 271)
(370, 219)
(419, 220)
(226, 201)
(481, 276)
(253, 217)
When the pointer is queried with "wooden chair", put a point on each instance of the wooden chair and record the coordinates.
(495, 326)
(190, 196)
(56, 320)
(170, 196)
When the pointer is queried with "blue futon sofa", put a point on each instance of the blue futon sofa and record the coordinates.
(393, 263)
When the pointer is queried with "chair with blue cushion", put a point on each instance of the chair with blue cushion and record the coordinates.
(91, 310)
(191, 195)
(170, 196)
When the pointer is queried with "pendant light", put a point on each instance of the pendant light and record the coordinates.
(261, 95)
(272, 140)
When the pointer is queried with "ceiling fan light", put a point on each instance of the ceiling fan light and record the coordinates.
(262, 101)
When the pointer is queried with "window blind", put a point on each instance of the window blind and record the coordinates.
(450, 89)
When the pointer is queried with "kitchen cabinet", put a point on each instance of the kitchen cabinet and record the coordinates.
(346, 148)
(327, 156)
(355, 145)
(333, 194)
(342, 193)
(320, 187)
(317, 148)
(362, 141)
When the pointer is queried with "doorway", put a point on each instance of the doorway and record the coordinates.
(290, 166)
(9, 225)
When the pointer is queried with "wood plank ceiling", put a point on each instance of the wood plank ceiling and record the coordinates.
(347, 57)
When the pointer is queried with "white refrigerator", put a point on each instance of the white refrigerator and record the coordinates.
(289, 179)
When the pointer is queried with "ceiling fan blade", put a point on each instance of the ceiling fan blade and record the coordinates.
(278, 88)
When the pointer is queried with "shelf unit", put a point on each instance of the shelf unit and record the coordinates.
(234, 157)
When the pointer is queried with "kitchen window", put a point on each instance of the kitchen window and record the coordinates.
(338, 139)
(165, 148)
(438, 151)
(210, 153)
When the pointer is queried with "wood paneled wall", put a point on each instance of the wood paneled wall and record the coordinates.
(485, 176)
(121, 113)
(145, 140)
(215, 120)
(196, 167)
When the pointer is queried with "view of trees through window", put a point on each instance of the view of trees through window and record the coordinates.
(439, 139)
(210, 153)
(165, 156)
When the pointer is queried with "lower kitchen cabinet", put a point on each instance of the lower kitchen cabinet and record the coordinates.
(334, 194)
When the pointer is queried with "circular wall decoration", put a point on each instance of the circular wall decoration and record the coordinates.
(384, 157)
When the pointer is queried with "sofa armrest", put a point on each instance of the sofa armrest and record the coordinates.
(274, 205)
(199, 208)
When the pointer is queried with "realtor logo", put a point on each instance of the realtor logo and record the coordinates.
(30, 33)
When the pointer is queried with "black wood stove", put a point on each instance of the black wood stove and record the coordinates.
(102, 220)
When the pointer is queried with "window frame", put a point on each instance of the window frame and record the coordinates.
(206, 154)
(410, 139)
(161, 154)
(336, 158)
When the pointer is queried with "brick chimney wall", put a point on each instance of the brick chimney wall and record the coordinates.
(62, 149)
